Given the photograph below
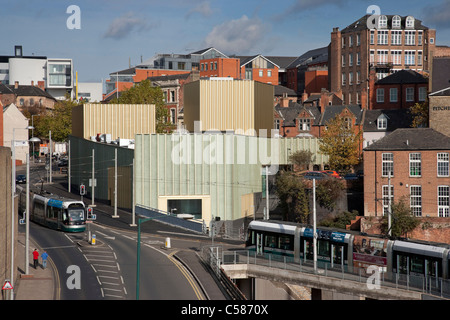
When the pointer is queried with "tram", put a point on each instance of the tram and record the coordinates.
(55, 212)
(349, 249)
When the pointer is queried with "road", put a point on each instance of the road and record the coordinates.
(108, 268)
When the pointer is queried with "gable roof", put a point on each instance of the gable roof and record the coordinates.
(290, 113)
(312, 56)
(405, 76)
(280, 90)
(247, 59)
(412, 139)
(396, 118)
(332, 112)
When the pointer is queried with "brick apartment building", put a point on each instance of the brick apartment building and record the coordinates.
(395, 43)
(400, 90)
(417, 159)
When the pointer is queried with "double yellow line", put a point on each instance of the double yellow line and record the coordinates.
(186, 275)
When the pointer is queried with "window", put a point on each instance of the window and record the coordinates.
(343, 79)
(261, 73)
(382, 122)
(181, 65)
(343, 60)
(372, 56)
(443, 164)
(409, 94)
(382, 22)
(387, 164)
(419, 58)
(348, 121)
(386, 198)
(410, 58)
(396, 22)
(422, 93)
(380, 95)
(393, 94)
(350, 41)
(304, 124)
(396, 38)
(173, 118)
(410, 38)
(382, 37)
(409, 22)
(358, 77)
(358, 58)
(415, 165)
(358, 39)
(382, 56)
(416, 200)
(420, 37)
(443, 201)
(276, 124)
(350, 79)
(372, 37)
(269, 73)
(350, 59)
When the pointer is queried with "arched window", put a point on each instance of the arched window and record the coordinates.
(382, 22)
(409, 22)
(396, 22)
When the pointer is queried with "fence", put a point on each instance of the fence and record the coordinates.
(428, 285)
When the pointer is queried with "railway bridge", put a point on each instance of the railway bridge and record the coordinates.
(254, 276)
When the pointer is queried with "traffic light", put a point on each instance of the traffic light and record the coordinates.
(90, 214)
(82, 190)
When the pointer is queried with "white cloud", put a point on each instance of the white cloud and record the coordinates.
(124, 25)
(237, 36)
(203, 9)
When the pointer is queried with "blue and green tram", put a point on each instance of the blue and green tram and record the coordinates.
(59, 213)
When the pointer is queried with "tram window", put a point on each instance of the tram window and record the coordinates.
(38, 209)
(323, 248)
(417, 264)
(286, 242)
(270, 241)
(52, 213)
(403, 263)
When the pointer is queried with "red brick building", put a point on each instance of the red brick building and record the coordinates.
(400, 90)
(220, 67)
(417, 160)
(395, 43)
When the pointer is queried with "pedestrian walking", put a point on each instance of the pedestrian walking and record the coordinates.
(44, 257)
(35, 258)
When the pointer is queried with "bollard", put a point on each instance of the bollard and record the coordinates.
(167, 244)
(93, 239)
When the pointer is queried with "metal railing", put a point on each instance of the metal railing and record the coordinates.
(434, 286)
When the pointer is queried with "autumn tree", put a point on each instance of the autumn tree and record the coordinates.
(420, 115)
(145, 93)
(341, 144)
(58, 121)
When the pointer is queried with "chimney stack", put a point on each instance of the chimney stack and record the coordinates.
(16, 85)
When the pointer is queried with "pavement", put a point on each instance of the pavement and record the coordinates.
(42, 284)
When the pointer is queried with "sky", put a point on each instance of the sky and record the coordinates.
(104, 36)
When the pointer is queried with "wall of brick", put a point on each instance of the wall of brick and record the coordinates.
(430, 229)
(401, 181)
(439, 112)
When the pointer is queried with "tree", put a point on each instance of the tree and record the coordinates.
(293, 195)
(328, 191)
(341, 144)
(341, 220)
(145, 93)
(58, 120)
(302, 159)
(402, 220)
(420, 114)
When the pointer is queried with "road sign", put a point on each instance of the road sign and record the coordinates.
(7, 286)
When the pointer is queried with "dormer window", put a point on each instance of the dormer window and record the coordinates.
(382, 22)
(396, 22)
(382, 122)
(409, 22)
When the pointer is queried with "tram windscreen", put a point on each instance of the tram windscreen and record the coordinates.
(76, 214)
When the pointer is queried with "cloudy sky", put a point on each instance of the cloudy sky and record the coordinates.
(115, 33)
